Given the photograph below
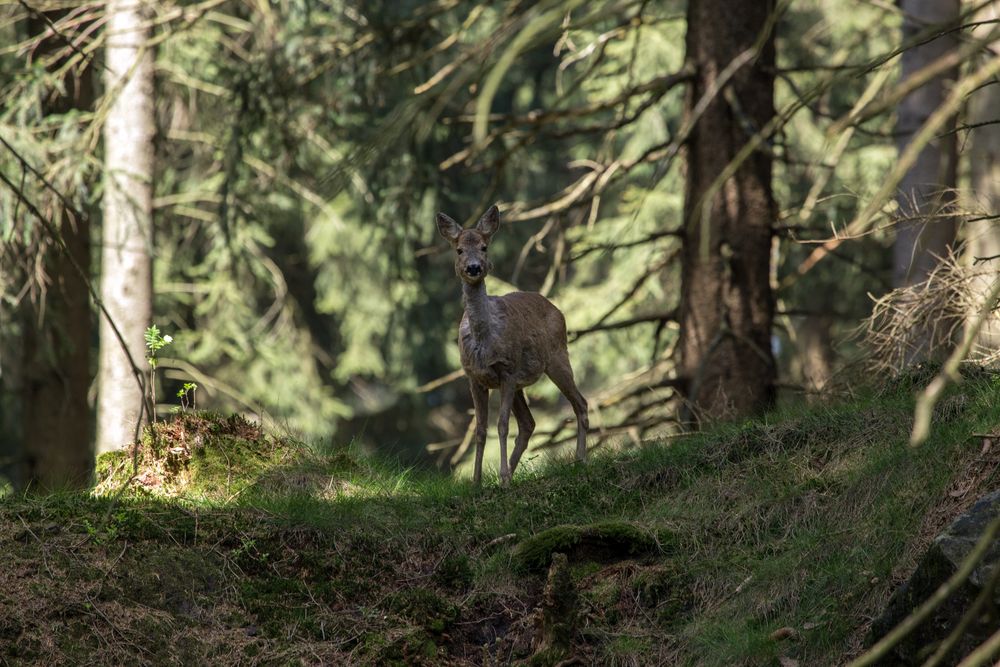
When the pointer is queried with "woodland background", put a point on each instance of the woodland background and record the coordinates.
(670, 174)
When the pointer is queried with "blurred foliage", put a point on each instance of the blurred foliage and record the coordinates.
(304, 146)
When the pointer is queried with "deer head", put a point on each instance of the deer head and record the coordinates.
(471, 245)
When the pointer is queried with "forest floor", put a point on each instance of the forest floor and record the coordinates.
(773, 541)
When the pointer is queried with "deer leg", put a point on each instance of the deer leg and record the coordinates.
(507, 390)
(561, 374)
(525, 427)
(480, 399)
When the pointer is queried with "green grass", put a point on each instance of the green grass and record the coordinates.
(693, 551)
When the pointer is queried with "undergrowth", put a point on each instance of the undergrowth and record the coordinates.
(212, 541)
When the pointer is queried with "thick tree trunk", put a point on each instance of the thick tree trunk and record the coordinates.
(58, 453)
(55, 419)
(926, 192)
(984, 158)
(727, 306)
(126, 282)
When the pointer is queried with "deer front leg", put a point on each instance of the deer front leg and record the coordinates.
(480, 400)
(507, 390)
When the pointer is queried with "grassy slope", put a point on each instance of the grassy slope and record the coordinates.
(803, 520)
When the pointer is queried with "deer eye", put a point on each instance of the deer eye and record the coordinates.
(484, 248)
(459, 251)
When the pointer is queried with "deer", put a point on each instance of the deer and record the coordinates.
(507, 343)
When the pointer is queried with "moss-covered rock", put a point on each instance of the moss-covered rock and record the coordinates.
(602, 542)
(203, 455)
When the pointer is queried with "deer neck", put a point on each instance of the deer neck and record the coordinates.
(477, 308)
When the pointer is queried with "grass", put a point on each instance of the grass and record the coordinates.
(233, 546)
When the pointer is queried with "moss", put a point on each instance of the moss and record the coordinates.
(547, 657)
(605, 595)
(279, 606)
(400, 649)
(605, 541)
(629, 650)
(113, 467)
(454, 572)
(200, 455)
(425, 608)
(792, 535)
(558, 612)
(174, 579)
(662, 587)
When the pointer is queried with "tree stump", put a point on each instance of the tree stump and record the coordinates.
(556, 616)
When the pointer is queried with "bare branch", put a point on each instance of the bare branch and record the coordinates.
(669, 315)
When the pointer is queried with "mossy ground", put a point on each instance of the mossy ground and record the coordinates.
(229, 546)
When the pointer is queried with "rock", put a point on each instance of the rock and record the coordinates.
(941, 561)
(608, 541)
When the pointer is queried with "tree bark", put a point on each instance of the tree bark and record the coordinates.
(925, 233)
(815, 351)
(55, 417)
(984, 158)
(727, 305)
(126, 278)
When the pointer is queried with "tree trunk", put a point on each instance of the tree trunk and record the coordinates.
(726, 305)
(815, 351)
(984, 158)
(55, 418)
(126, 282)
(926, 192)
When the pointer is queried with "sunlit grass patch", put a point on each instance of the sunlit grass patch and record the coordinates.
(695, 550)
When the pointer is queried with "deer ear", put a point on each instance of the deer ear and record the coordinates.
(490, 222)
(448, 227)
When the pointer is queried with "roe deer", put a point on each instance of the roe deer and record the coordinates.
(507, 343)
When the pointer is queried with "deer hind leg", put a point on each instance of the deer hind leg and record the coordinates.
(480, 399)
(525, 427)
(561, 374)
(507, 390)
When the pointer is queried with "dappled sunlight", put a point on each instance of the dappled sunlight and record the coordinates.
(717, 540)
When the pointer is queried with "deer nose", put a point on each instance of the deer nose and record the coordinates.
(473, 270)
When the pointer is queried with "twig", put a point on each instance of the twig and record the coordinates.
(57, 237)
(441, 381)
(949, 374)
(955, 100)
(668, 315)
(637, 285)
(985, 595)
(984, 653)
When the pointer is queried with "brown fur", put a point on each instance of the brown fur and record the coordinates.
(507, 343)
